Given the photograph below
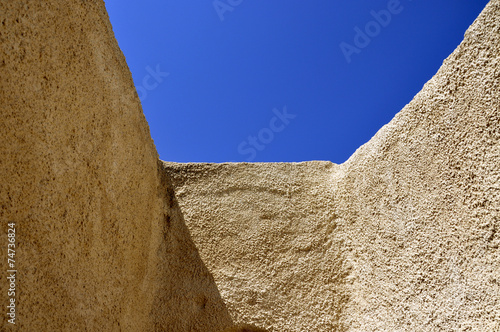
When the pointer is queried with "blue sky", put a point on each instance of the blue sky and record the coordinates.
(268, 81)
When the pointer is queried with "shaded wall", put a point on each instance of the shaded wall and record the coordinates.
(267, 232)
(101, 245)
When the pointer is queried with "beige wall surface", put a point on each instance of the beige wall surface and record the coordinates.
(404, 236)
(101, 245)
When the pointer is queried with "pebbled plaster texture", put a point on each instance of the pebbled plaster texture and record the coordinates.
(101, 244)
(404, 236)
(267, 232)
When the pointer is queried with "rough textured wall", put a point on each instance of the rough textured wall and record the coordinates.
(421, 201)
(101, 245)
(404, 236)
(267, 232)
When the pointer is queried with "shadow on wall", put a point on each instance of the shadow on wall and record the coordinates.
(186, 288)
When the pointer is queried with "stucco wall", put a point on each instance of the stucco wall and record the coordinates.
(403, 236)
(101, 245)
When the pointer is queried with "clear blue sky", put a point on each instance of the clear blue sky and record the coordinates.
(281, 80)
